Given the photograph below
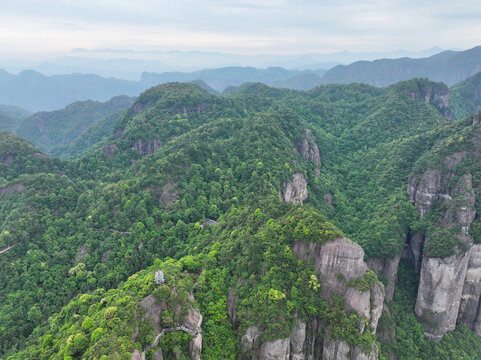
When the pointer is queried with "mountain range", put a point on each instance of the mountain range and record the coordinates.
(265, 223)
(34, 91)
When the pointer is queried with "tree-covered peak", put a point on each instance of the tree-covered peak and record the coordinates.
(257, 89)
(14, 146)
(436, 93)
(466, 96)
(172, 97)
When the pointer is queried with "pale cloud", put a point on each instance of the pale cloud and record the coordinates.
(242, 26)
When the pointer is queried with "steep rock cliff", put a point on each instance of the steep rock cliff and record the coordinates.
(442, 277)
(309, 150)
(388, 269)
(339, 265)
(294, 191)
(469, 309)
(431, 92)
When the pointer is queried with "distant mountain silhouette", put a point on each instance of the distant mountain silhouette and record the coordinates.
(449, 67)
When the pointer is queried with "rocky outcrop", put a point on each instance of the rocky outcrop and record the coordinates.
(7, 159)
(294, 191)
(442, 286)
(16, 188)
(231, 300)
(340, 350)
(388, 269)
(158, 354)
(169, 194)
(109, 151)
(136, 355)
(147, 147)
(424, 192)
(105, 257)
(439, 294)
(195, 347)
(250, 338)
(309, 150)
(297, 341)
(469, 309)
(328, 198)
(434, 93)
(80, 256)
(191, 324)
(338, 263)
(291, 348)
(275, 350)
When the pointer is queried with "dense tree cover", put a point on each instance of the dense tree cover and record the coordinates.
(96, 132)
(466, 96)
(53, 131)
(247, 252)
(407, 335)
(10, 116)
(179, 156)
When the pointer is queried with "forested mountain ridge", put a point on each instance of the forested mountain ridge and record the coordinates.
(54, 131)
(10, 116)
(265, 279)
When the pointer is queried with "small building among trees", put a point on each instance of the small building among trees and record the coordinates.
(159, 277)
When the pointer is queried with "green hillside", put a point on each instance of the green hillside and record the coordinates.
(244, 201)
(54, 131)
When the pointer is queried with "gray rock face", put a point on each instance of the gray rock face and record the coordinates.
(328, 198)
(387, 268)
(291, 348)
(340, 350)
(153, 310)
(136, 355)
(437, 94)
(439, 294)
(169, 194)
(425, 191)
(313, 345)
(295, 191)
(335, 350)
(469, 309)
(147, 147)
(105, 257)
(340, 261)
(191, 324)
(297, 340)
(109, 151)
(158, 354)
(249, 338)
(231, 300)
(336, 263)
(80, 256)
(416, 243)
(195, 347)
(7, 159)
(309, 150)
(16, 188)
(441, 279)
(275, 350)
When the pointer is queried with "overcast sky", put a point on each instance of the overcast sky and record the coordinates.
(47, 27)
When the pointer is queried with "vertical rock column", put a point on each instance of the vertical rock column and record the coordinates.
(441, 279)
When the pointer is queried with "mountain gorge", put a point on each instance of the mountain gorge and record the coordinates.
(336, 223)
